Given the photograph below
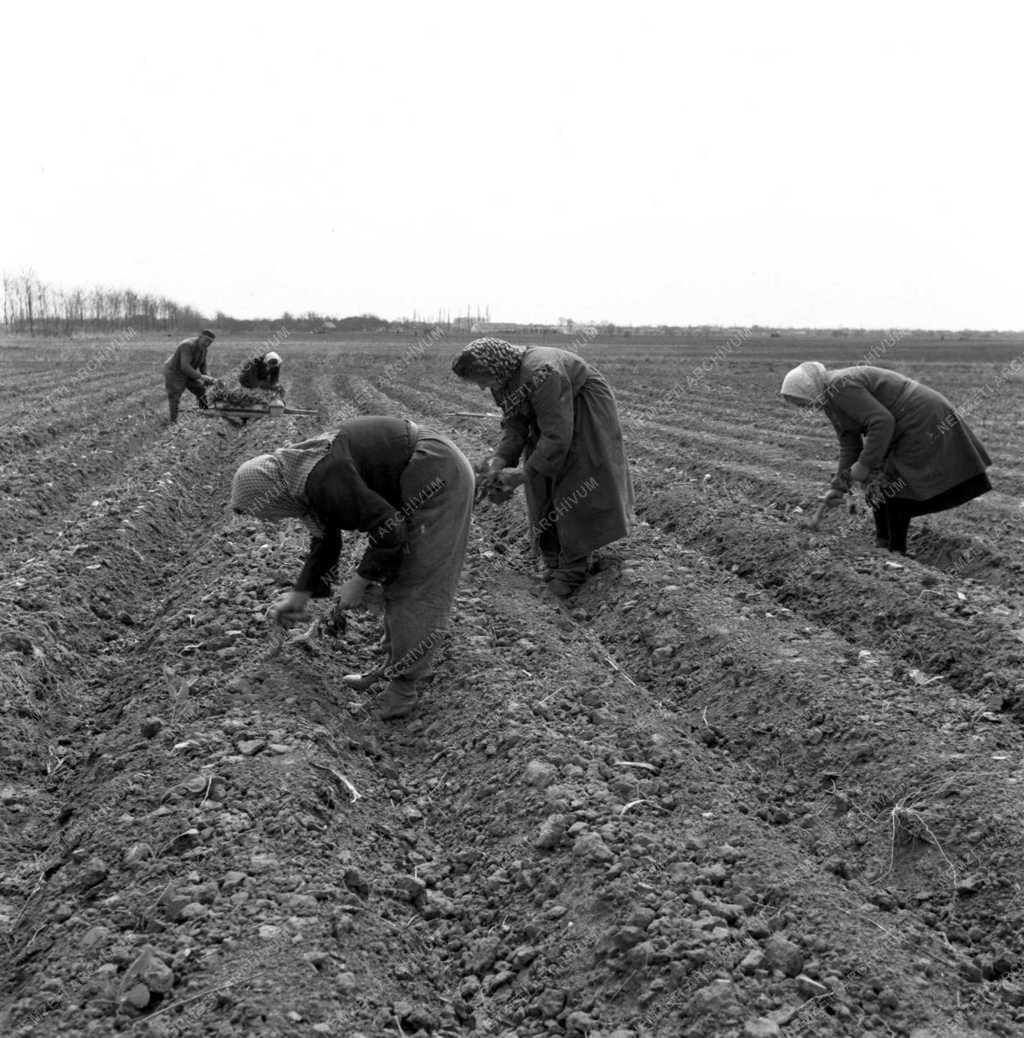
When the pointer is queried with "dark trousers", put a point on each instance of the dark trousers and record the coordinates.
(559, 563)
(892, 517)
(176, 386)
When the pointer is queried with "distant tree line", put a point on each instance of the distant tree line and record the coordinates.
(30, 306)
(311, 322)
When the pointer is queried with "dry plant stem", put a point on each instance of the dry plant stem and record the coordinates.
(276, 638)
(637, 803)
(340, 779)
(899, 939)
(812, 999)
(24, 909)
(618, 670)
(195, 998)
(900, 810)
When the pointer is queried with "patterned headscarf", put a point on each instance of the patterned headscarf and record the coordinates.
(273, 486)
(491, 357)
(806, 382)
(494, 357)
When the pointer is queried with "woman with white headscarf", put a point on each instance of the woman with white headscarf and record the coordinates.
(901, 438)
(260, 382)
(262, 372)
(411, 490)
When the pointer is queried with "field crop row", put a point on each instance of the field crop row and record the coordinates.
(739, 741)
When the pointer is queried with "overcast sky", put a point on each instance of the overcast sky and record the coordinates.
(777, 163)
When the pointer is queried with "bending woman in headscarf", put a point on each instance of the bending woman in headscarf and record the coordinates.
(262, 372)
(902, 439)
(559, 414)
(411, 490)
(260, 382)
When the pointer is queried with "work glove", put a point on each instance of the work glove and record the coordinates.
(841, 481)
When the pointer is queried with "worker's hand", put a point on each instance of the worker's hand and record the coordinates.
(289, 608)
(859, 472)
(350, 593)
(511, 478)
(494, 466)
(841, 481)
(207, 380)
(832, 498)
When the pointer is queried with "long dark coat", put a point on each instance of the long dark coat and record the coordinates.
(560, 415)
(886, 420)
(256, 373)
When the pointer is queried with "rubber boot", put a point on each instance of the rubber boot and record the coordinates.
(899, 527)
(881, 515)
(569, 576)
(398, 700)
(362, 682)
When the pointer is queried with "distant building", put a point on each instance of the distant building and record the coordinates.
(567, 326)
(506, 328)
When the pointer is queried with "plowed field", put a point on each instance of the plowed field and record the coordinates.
(750, 780)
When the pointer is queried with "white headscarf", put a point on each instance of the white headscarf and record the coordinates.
(806, 382)
(273, 486)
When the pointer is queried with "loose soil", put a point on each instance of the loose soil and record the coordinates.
(750, 780)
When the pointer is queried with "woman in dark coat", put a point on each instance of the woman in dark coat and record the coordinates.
(260, 379)
(559, 415)
(411, 490)
(904, 440)
(262, 372)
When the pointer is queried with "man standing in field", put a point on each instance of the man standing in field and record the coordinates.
(185, 369)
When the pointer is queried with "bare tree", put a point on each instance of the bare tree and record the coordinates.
(30, 305)
(28, 299)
